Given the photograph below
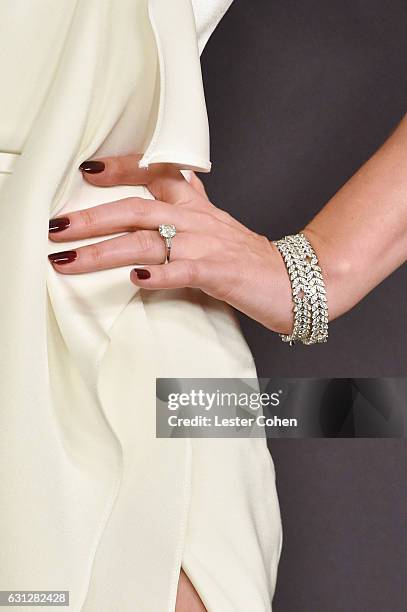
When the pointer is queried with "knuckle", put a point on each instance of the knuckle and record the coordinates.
(165, 277)
(115, 169)
(191, 272)
(88, 218)
(132, 209)
(95, 255)
(144, 240)
(138, 206)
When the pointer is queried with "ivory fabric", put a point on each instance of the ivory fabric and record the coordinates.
(208, 14)
(90, 500)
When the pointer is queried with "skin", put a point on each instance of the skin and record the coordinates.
(211, 251)
(188, 599)
(360, 237)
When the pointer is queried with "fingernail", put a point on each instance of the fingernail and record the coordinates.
(58, 224)
(63, 257)
(142, 274)
(92, 167)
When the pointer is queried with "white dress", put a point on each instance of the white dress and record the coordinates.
(90, 500)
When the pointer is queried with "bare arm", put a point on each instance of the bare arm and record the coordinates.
(361, 234)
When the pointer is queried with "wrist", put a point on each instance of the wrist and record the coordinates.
(280, 317)
(335, 270)
(308, 290)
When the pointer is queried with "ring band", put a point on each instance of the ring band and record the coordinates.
(167, 233)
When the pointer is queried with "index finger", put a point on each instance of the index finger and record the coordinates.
(165, 181)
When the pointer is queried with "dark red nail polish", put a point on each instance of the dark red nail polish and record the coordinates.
(63, 257)
(142, 274)
(92, 167)
(58, 224)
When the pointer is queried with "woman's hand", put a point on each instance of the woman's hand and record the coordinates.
(360, 237)
(211, 251)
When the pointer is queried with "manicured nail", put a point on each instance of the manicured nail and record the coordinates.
(92, 167)
(63, 257)
(142, 274)
(58, 224)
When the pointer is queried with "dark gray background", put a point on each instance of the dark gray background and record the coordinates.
(300, 94)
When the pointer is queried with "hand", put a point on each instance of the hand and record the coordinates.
(212, 251)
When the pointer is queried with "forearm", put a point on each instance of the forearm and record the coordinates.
(360, 236)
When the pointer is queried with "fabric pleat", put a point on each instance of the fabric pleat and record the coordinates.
(91, 501)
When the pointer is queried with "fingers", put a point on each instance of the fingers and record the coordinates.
(124, 216)
(175, 275)
(166, 182)
(210, 275)
(138, 247)
(141, 247)
(120, 170)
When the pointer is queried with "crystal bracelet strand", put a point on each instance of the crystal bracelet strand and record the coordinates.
(317, 293)
(314, 287)
(303, 287)
(295, 269)
(308, 291)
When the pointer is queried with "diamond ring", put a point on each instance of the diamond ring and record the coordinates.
(167, 232)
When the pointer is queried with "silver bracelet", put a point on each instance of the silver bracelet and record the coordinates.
(308, 291)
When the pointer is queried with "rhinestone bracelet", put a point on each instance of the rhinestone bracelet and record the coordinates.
(308, 291)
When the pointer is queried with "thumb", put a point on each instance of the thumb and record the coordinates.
(195, 182)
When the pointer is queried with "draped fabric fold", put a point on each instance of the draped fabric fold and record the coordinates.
(208, 14)
(181, 133)
(91, 501)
